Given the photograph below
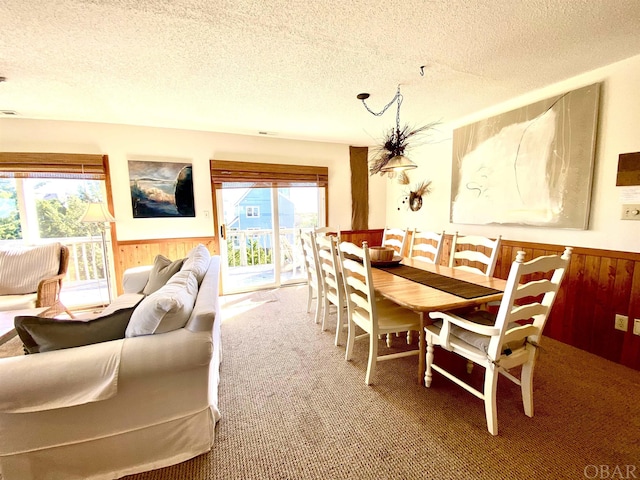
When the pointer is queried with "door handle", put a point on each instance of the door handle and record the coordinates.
(223, 231)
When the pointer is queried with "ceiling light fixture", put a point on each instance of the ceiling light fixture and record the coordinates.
(390, 157)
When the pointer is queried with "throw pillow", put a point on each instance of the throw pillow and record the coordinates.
(166, 309)
(163, 269)
(41, 334)
(197, 261)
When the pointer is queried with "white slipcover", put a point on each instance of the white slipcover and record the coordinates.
(163, 411)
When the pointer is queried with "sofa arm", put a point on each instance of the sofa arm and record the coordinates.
(80, 375)
(60, 378)
(135, 279)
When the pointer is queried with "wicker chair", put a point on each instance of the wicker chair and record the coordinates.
(49, 289)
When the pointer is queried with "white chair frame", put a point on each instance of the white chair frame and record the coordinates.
(333, 285)
(314, 278)
(508, 342)
(374, 316)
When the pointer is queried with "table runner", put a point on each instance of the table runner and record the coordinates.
(454, 286)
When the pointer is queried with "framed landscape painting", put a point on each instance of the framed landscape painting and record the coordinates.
(161, 189)
(530, 166)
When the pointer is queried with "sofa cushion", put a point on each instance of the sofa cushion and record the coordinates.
(165, 309)
(18, 302)
(163, 269)
(23, 267)
(197, 261)
(41, 334)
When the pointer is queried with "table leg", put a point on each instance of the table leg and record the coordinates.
(422, 352)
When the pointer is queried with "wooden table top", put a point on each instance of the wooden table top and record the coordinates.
(422, 298)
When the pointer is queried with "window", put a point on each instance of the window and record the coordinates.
(36, 209)
(43, 196)
(253, 212)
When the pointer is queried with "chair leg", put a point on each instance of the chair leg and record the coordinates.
(526, 386)
(490, 388)
(339, 319)
(428, 374)
(389, 338)
(309, 298)
(318, 306)
(373, 357)
(325, 316)
(351, 335)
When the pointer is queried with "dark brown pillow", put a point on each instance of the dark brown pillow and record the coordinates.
(41, 334)
(163, 269)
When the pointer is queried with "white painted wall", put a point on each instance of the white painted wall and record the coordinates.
(121, 143)
(618, 132)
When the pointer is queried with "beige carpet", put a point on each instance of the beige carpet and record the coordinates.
(292, 408)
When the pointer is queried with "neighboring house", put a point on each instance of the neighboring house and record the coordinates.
(254, 212)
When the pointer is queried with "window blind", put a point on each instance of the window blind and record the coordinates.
(53, 165)
(230, 174)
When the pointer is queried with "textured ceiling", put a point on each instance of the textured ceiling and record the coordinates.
(293, 68)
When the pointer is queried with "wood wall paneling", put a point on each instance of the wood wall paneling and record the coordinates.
(136, 253)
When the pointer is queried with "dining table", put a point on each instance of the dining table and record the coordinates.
(425, 287)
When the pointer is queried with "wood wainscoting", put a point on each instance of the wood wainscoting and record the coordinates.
(598, 285)
(136, 253)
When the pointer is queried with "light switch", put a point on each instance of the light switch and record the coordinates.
(631, 212)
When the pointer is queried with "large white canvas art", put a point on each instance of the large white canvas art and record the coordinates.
(530, 166)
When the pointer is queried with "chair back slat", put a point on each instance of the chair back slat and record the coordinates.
(358, 281)
(482, 252)
(331, 273)
(537, 311)
(426, 246)
(310, 258)
(395, 238)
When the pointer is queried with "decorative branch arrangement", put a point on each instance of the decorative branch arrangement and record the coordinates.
(395, 143)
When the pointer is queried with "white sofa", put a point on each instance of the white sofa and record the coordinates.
(110, 409)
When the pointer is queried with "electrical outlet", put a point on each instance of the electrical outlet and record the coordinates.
(622, 322)
(636, 326)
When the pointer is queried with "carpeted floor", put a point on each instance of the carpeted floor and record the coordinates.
(292, 408)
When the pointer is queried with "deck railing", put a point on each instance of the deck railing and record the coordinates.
(255, 247)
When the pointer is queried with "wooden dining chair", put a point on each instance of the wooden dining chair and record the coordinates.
(333, 285)
(395, 238)
(474, 253)
(314, 279)
(426, 246)
(374, 316)
(505, 340)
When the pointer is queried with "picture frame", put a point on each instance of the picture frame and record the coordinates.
(161, 189)
(532, 166)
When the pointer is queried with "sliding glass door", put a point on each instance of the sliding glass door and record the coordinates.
(259, 228)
